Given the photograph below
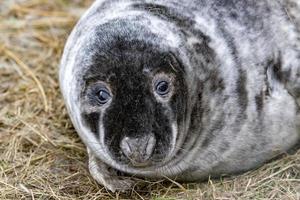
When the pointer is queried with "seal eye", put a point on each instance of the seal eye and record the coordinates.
(103, 96)
(162, 88)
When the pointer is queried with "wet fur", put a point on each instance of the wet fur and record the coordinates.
(237, 66)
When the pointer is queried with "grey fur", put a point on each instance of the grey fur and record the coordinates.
(241, 57)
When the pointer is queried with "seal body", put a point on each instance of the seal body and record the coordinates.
(185, 89)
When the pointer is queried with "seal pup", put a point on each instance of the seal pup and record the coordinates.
(182, 89)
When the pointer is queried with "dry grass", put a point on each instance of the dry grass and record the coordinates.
(41, 157)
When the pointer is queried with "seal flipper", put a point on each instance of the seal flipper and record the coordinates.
(291, 76)
(106, 176)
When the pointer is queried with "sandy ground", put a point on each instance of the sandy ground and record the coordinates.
(41, 156)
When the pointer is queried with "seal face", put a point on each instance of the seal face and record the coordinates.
(182, 89)
(133, 94)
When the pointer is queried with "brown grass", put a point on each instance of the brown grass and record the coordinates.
(41, 156)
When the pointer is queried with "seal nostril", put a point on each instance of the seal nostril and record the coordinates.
(138, 150)
(125, 147)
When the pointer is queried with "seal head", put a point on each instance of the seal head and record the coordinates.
(134, 94)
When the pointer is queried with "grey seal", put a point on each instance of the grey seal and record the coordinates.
(182, 89)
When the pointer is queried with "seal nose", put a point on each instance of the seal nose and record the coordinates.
(138, 150)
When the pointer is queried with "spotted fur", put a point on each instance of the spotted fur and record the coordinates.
(236, 68)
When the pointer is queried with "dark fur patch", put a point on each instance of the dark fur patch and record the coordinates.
(259, 101)
(278, 72)
(205, 50)
(266, 82)
(242, 90)
(134, 111)
(90, 120)
(197, 112)
(216, 82)
(273, 69)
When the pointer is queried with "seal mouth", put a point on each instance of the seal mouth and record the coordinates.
(140, 165)
(152, 167)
